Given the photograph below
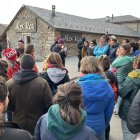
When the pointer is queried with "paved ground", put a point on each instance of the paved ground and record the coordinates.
(71, 65)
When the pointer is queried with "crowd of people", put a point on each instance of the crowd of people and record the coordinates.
(47, 105)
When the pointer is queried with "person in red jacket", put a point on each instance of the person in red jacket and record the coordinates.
(13, 65)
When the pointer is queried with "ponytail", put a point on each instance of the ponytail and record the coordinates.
(69, 99)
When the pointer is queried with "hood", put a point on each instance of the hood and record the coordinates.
(24, 76)
(121, 61)
(56, 74)
(135, 76)
(61, 129)
(94, 86)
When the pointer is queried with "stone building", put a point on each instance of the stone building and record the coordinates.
(3, 41)
(126, 20)
(40, 27)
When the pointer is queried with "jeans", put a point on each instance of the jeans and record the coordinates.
(127, 135)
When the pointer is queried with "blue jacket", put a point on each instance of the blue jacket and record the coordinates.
(98, 99)
(101, 49)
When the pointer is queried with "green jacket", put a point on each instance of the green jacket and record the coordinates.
(124, 65)
(128, 91)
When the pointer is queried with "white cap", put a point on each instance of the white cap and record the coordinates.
(113, 37)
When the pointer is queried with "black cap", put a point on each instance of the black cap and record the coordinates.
(21, 41)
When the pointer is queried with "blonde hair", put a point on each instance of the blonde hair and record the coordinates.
(90, 64)
(53, 58)
(69, 98)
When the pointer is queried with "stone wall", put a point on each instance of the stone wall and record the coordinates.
(72, 46)
(2, 28)
(40, 39)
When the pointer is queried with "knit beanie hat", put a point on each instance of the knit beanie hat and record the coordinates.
(27, 61)
(60, 41)
(10, 54)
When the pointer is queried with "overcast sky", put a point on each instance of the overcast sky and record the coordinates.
(84, 8)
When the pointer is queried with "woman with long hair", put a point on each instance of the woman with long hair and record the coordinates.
(65, 119)
(54, 71)
(98, 95)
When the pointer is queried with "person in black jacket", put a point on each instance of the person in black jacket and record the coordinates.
(133, 117)
(61, 50)
(54, 71)
(113, 46)
(80, 45)
(20, 48)
(9, 130)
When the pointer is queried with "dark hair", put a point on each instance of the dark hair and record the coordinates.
(134, 46)
(127, 40)
(69, 98)
(29, 49)
(86, 41)
(21, 41)
(94, 42)
(127, 48)
(27, 61)
(105, 62)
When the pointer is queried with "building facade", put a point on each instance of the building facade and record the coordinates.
(40, 27)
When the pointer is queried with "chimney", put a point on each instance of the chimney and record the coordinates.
(112, 16)
(53, 10)
(107, 18)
